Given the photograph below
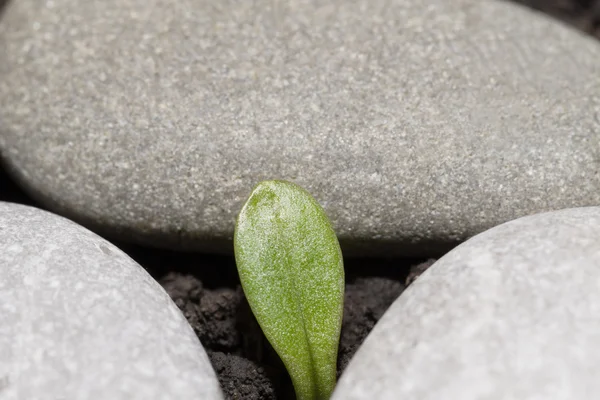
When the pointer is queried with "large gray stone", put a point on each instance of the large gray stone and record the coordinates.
(513, 313)
(415, 123)
(81, 320)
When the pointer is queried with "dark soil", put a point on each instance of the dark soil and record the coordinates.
(207, 290)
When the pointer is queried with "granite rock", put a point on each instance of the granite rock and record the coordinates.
(510, 314)
(416, 124)
(79, 319)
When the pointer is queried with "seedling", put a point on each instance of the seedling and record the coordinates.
(291, 268)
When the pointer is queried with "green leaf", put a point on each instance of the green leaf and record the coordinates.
(291, 268)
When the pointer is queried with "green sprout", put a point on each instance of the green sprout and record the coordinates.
(291, 269)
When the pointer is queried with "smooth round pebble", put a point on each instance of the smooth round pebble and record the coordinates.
(416, 124)
(81, 320)
(512, 313)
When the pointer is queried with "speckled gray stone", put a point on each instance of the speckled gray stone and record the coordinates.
(415, 123)
(512, 313)
(80, 320)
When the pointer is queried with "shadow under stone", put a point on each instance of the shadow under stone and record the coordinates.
(10, 191)
(3, 4)
(583, 14)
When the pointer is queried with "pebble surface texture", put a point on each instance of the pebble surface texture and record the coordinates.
(81, 320)
(414, 123)
(510, 314)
